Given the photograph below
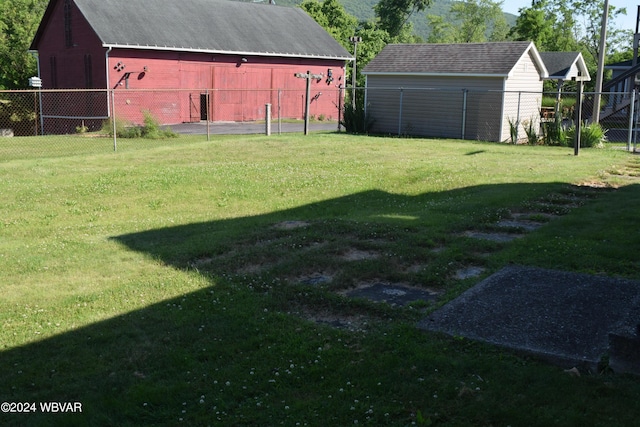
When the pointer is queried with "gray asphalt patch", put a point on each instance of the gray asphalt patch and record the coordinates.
(564, 318)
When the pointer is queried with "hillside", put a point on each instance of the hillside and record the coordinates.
(363, 10)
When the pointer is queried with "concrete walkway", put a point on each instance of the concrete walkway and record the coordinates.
(569, 319)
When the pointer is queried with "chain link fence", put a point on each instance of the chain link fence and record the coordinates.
(68, 121)
(80, 120)
(511, 117)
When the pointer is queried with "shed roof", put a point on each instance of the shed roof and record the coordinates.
(496, 59)
(209, 26)
(560, 65)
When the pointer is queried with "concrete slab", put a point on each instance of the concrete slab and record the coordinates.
(564, 318)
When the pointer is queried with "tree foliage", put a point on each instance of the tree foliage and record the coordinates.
(480, 21)
(331, 16)
(590, 13)
(19, 20)
(442, 30)
(535, 24)
(469, 21)
(572, 25)
(393, 15)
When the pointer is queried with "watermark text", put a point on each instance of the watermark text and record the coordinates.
(42, 407)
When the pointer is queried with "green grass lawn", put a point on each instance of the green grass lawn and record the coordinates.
(162, 284)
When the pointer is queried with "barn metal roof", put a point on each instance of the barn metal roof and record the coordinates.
(209, 26)
(496, 59)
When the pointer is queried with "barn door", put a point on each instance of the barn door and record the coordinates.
(203, 106)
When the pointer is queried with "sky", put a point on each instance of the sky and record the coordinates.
(627, 22)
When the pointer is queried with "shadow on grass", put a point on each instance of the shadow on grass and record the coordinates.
(229, 353)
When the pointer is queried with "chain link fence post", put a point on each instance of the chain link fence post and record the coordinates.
(113, 118)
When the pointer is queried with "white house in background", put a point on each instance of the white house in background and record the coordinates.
(469, 91)
(563, 67)
(624, 80)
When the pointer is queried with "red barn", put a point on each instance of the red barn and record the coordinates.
(233, 57)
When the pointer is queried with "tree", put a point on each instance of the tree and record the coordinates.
(534, 24)
(19, 20)
(442, 31)
(331, 16)
(374, 40)
(480, 20)
(469, 21)
(591, 13)
(393, 15)
(570, 25)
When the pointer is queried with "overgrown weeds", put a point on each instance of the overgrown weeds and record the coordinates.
(150, 129)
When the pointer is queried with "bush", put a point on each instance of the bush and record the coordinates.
(355, 120)
(530, 130)
(592, 135)
(513, 130)
(150, 129)
(554, 133)
(123, 128)
(18, 114)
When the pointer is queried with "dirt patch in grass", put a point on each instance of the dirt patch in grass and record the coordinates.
(252, 268)
(358, 255)
(469, 272)
(315, 279)
(291, 225)
(415, 268)
(494, 237)
(524, 224)
(349, 322)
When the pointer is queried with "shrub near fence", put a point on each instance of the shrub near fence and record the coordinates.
(18, 114)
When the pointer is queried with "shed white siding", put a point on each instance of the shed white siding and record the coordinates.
(522, 97)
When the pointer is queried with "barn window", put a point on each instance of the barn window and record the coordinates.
(88, 72)
(68, 36)
(54, 71)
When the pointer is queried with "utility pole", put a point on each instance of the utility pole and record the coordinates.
(355, 40)
(595, 117)
(308, 76)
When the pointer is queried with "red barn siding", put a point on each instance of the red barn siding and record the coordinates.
(238, 90)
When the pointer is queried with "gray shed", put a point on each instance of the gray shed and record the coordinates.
(469, 91)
